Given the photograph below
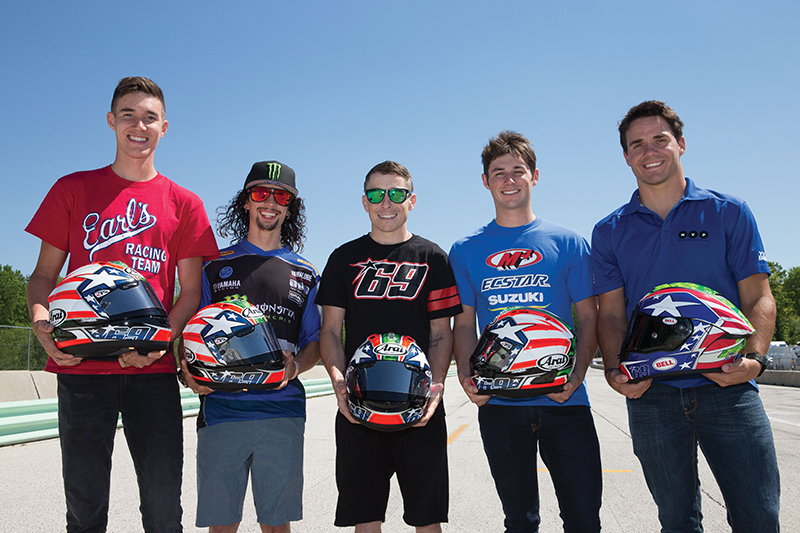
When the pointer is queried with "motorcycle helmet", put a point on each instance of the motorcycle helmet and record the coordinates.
(231, 346)
(523, 352)
(388, 382)
(681, 328)
(106, 310)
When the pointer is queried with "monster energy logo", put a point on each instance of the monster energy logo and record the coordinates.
(274, 171)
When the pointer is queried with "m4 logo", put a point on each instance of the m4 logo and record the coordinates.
(389, 280)
(513, 259)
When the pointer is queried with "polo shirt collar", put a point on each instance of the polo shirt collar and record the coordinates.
(692, 192)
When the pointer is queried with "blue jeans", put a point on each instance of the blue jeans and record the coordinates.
(730, 426)
(88, 407)
(567, 442)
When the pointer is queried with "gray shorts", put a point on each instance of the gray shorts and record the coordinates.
(226, 454)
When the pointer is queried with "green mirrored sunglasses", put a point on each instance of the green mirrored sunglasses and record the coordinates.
(397, 196)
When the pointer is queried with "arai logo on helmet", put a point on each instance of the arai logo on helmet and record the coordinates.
(513, 259)
(553, 362)
(57, 316)
(668, 320)
(665, 363)
(390, 348)
(252, 312)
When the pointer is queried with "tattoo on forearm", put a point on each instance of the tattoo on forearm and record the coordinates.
(435, 341)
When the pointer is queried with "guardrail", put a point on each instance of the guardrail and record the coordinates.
(32, 420)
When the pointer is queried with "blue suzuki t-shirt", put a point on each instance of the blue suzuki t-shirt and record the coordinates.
(541, 264)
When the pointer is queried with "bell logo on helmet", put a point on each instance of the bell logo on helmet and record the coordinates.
(665, 363)
(669, 321)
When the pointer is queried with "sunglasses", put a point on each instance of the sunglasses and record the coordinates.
(397, 196)
(260, 194)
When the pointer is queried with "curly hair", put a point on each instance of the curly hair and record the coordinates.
(234, 221)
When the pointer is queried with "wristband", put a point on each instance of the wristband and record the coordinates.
(610, 370)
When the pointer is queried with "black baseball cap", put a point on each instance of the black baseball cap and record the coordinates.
(271, 173)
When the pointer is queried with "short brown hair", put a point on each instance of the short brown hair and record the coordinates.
(391, 168)
(508, 142)
(134, 84)
(650, 108)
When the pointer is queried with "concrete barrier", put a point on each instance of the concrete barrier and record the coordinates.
(787, 378)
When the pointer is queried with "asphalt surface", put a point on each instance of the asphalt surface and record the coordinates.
(32, 496)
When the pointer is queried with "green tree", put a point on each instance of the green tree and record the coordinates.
(785, 287)
(13, 304)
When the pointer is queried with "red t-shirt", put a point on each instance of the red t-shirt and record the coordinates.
(97, 216)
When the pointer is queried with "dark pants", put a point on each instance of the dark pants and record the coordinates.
(567, 442)
(88, 408)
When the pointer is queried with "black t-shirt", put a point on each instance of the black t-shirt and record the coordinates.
(395, 288)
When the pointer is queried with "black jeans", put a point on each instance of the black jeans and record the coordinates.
(88, 409)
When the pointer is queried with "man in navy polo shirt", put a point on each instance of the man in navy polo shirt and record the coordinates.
(674, 231)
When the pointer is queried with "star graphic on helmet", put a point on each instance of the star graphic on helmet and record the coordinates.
(361, 355)
(222, 323)
(667, 305)
(104, 279)
(508, 330)
(686, 366)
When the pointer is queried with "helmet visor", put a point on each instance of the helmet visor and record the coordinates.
(647, 333)
(254, 344)
(388, 386)
(492, 353)
(134, 298)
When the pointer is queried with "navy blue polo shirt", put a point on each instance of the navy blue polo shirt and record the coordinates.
(708, 238)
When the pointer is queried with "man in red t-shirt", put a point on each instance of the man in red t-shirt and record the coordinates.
(124, 212)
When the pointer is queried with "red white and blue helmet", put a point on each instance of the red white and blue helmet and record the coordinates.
(523, 352)
(231, 346)
(388, 382)
(682, 328)
(106, 310)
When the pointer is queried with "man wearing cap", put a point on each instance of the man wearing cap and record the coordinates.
(259, 431)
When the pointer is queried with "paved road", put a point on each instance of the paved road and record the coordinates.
(32, 499)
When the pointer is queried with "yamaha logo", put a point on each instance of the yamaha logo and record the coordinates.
(57, 316)
(665, 363)
(553, 362)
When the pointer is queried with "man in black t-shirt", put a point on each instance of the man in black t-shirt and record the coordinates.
(389, 281)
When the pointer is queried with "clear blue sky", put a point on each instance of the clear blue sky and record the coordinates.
(332, 88)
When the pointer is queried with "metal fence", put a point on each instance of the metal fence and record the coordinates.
(20, 349)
